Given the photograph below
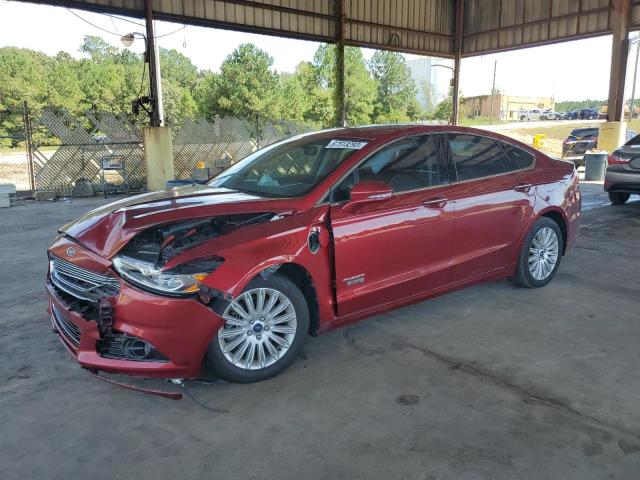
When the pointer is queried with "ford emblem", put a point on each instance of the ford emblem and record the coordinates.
(71, 251)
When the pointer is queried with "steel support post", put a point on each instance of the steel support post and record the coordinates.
(341, 110)
(455, 114)
(153, 57)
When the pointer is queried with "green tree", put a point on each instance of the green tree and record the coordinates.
(317, 103)
(63, 87)
(396, 100)
(360, 88)
(97, 48)
(246, 85)
(23, 76)
(444, 110)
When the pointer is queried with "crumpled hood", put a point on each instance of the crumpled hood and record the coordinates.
(108, 228)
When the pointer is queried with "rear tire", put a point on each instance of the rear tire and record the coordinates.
(265, 329)
(540, 255)
(523, 118)
(619, 198)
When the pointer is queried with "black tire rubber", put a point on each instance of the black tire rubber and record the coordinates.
(543, 118)
(523, 277)
(619, 198)
(523, 118)
(226, 370)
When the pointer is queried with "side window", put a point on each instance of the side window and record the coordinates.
(407, 164)
(477, 157)
(520, 159)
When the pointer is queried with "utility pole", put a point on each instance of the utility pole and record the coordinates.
(493, 91)
(153, 57)
(635, 73)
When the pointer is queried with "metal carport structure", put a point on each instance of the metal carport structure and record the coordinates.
(444, 28)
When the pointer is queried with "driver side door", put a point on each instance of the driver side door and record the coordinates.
(393, 248)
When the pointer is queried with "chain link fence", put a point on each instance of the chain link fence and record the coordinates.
(73, 148)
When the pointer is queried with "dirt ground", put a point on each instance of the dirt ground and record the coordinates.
(492, 382)
(14, 169)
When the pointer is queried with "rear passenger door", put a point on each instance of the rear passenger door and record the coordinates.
(494, 197)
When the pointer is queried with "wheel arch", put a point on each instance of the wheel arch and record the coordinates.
(301, 278)
(559, 217)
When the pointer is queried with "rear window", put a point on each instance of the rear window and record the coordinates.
(634, 138)
(477, 157)
(520, 159)
(584, 132)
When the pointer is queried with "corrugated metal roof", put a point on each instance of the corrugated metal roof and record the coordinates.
(418, 26)
(495, 25)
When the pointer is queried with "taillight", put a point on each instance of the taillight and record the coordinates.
(614, 159)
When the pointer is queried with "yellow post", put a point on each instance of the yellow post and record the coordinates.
(539, 140)
(612, 135)
(158, 156)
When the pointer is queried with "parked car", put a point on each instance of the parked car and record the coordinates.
(572, 115)
(553, 115)
(582, 139)
(302, 236)
(588, 114)
(536, 114)
(623, 172)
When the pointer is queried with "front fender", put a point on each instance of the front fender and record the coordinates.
(250, 250)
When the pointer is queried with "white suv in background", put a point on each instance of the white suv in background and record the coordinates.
(536, 114)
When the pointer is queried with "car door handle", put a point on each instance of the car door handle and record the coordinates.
(435, 202)
(522, 187)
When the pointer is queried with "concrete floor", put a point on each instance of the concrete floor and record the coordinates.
(492, 382)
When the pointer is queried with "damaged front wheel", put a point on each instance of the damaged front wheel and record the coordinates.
(264, 331)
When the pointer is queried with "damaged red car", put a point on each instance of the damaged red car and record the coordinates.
(307, 234)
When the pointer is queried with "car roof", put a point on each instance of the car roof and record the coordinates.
(381, 132)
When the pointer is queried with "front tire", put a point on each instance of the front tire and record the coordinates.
(265, 329)
(540, 255)
(619, 198)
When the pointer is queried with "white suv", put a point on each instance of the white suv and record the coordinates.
(536, 114)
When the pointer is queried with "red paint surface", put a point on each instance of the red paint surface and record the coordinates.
(411, 246)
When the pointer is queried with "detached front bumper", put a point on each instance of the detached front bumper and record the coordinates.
(178, 329)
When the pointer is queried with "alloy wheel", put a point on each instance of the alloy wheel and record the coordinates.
(259, 328)
(543, 253)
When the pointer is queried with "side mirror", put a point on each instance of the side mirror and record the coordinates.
(367, 191)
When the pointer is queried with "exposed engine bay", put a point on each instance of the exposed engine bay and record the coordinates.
(160, 244)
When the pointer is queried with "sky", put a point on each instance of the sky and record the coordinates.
(568, 71)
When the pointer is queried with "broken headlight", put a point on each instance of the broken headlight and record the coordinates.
(182, 280)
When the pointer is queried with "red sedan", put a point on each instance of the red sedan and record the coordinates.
(302, 236)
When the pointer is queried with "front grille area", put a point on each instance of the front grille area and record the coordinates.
(65, 327)
(81, 283)
(88, 310)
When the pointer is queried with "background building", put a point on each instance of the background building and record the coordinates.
(505, 107)
(432, 83)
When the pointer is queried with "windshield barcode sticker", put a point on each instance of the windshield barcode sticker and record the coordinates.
(346, 144)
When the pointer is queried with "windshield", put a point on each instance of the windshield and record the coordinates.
(291, 168)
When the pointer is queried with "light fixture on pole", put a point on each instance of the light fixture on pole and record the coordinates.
(154, 100)
(127, 40)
